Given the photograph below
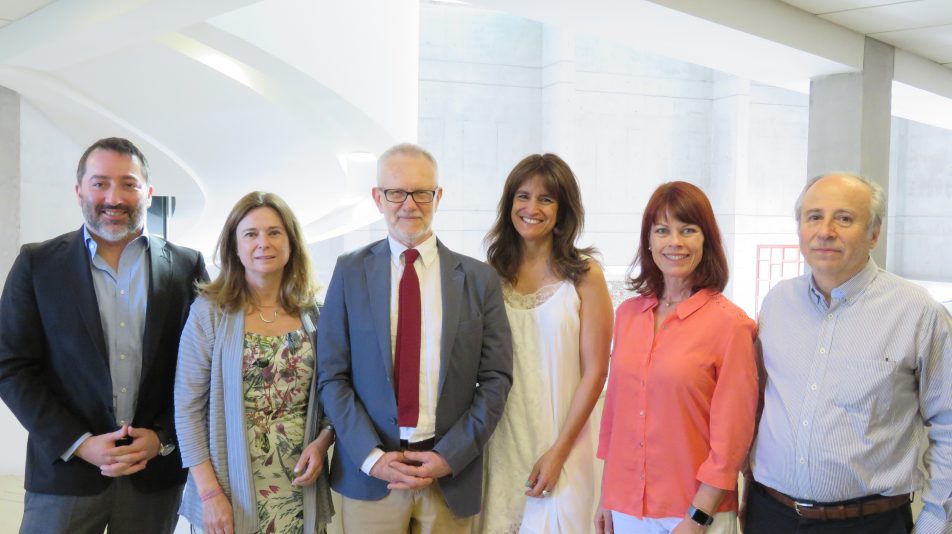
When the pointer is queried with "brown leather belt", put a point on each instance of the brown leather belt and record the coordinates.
(418, 446)
(846, 510)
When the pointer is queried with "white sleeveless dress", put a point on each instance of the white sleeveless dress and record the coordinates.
(546, 372)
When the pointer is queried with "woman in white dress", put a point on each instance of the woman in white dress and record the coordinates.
(541, 458)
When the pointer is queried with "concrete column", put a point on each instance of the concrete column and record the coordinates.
(9, 179)
(12, 449)
(850, 118)
(728, 181)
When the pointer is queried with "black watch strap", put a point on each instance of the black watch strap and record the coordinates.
(700, 516)
(163, 439)
(166, 445)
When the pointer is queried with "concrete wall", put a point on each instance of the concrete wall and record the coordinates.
(39, 202)
(624, 120)
(480, 111)
(919, 218)
(496, 87)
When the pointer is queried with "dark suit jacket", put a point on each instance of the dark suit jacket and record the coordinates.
(355, 371)
(54, 366)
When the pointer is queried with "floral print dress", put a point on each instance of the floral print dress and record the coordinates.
(277, 373)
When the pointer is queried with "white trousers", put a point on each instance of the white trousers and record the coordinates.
(724, 523)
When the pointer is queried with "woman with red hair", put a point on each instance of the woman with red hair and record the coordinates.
(682, 391)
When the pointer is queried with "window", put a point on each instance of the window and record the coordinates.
(776, 263)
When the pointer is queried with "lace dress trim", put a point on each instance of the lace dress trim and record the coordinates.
(532, 300)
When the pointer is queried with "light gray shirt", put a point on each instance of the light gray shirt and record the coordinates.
(122, 296)
(853, 388)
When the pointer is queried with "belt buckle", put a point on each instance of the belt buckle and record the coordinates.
(797, 505)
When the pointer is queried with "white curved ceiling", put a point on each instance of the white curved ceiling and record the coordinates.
(220, 106)
(228, 96)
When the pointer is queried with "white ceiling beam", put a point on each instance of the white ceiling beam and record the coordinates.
(68, 32)
(768, 55)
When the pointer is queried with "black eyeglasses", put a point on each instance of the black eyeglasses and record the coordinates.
(398, 196)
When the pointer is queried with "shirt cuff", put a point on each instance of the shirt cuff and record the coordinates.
(929, 523)
(68, 455)
(371, 460)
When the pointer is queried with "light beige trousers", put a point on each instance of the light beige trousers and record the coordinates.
(422, 511)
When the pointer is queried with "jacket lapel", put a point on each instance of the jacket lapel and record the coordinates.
(160, 272)
(377, 270)
(451, 279)
(85, 294)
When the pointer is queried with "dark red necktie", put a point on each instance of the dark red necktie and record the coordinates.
(407, 357)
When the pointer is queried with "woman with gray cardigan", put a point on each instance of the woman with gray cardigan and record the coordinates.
(249, 425)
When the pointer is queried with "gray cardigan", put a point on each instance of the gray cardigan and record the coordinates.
(209, 413)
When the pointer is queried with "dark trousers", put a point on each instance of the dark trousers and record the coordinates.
(767, 516)
(123, 508)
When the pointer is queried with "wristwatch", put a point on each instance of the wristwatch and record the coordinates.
(700, 516)
(166, 445)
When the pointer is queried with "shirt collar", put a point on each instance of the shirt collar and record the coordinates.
(92, 246)
(687, 306)
(427, 250)
(851, 289)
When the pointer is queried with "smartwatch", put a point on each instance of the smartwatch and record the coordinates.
(700, 516)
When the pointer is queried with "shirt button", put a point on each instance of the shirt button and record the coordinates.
(123, 390)
(813, 387)
(122, 356)
(641, 444)
(642, 476)
(803, 461)
(641, 413)
(805, 423)
(830, 316)
(122, 323)
(122, 422)
(822, 350)
(122, 291)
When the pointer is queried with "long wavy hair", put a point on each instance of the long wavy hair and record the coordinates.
(505, 247)
(229, 291)
(687, 203)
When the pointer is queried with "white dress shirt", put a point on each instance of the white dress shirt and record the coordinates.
(427, 268)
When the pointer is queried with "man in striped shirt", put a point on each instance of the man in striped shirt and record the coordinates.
(858, 372)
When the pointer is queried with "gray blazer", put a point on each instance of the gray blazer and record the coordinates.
(356, 369)
(210, 421)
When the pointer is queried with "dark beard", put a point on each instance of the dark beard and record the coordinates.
(95, 225)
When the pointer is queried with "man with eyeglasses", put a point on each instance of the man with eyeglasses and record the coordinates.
(415, 364)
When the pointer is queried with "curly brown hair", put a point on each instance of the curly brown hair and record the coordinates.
(505, 248)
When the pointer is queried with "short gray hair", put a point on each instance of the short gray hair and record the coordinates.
(406, 149)
(877, 198)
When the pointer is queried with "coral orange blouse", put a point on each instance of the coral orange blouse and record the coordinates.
(680, 405)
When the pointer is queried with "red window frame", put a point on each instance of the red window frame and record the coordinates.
(775, 263)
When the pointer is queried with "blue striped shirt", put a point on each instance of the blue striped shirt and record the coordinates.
(853, 387)
(122, 295)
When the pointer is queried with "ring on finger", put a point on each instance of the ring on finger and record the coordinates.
(546, 493)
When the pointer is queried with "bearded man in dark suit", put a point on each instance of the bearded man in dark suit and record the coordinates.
(89, 330)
